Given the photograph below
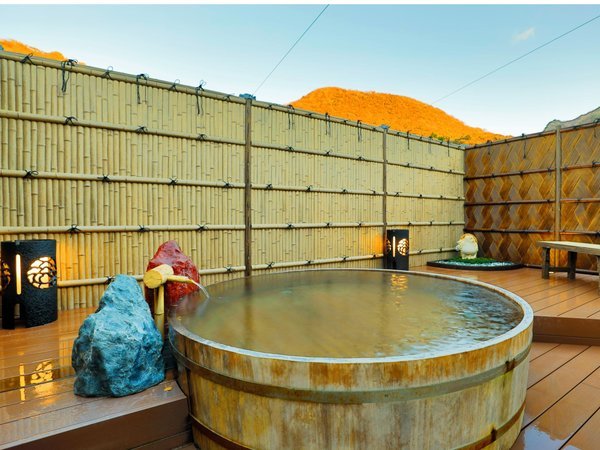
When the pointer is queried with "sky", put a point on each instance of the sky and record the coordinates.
(420, 51)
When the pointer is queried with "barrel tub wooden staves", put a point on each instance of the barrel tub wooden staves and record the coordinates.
(470, 399)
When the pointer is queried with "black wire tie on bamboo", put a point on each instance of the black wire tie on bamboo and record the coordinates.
(229, 269)
(107, 72)
(226, 184)
(27, 59)
(289, 148)
(309, 262)
(270, 265)
(104, 179)
(344, 191)
(308, 188)
(201, 227)
(174, 85)
(360, 224)
(358, 125)
(290, 225)
(199, 89)
(30, 174)
(74, 229)
(344, 258)
(141, 129)
(269, 187)
(173, 181)
(201, 137)
(328, 153)
(360, 158)
(66, 74)
(141, 76)
(328, 224)
(109, 280)
(70, 120)
(142, 229)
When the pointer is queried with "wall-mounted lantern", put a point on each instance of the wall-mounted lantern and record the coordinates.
(396, 250)
(28, 278)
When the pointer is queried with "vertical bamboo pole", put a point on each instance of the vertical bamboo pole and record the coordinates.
(384, 183)
(557, 185)
(248, 189)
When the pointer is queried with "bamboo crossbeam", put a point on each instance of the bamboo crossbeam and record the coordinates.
(510, 202)
(210, 227)
(507, 230)
(141, 129)
(509, 174)
(273, 265)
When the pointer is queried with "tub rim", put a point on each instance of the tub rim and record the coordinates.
(525, 323)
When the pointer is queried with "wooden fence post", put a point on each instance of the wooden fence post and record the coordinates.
(248, 188)
(557, 185)
(384, 183)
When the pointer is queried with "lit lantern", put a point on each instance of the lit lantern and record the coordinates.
(396, 250)
(28, 278)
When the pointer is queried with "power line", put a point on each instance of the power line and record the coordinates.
(291, 48)
(513, 61)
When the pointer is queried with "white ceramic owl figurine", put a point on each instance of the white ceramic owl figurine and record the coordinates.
(467, 246)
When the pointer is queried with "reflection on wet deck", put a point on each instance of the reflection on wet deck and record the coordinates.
(563, 397)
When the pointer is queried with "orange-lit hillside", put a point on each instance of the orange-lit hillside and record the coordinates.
(11, 45)
(400, 113)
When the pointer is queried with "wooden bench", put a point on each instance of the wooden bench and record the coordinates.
(573, 248)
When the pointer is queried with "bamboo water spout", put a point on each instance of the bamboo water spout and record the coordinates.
(156, 279)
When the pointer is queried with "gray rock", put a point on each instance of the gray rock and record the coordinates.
(118, 350)
(589, 117)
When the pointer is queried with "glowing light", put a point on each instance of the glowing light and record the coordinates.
(18, 271)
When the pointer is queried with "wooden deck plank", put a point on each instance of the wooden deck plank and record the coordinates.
(566, 305)
(87, 413)
(587, 436)
(584, 311)
(546, 392)
(567, 297)
(564, 418)
(42, 390)
(547, 363)
(540, 348)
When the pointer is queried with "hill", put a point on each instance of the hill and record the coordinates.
(582, 119)
(10, 45)
(399, 112)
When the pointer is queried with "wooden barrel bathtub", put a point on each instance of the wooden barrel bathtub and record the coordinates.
(472, 398)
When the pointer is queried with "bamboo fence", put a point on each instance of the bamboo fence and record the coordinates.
(515, 195)
(111, 165)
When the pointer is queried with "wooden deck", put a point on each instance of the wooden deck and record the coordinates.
(38, 408)
(562, 408)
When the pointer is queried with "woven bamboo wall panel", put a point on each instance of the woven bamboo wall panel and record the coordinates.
(283, 207)
(115, 165)
(37, 89)
(581, 217)
(511, 217)
(581, 146)
(515, 247)
(289, 168)
(533, 186)
(580, 183)
(512, 156)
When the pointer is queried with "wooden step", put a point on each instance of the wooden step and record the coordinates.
(155, 418)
